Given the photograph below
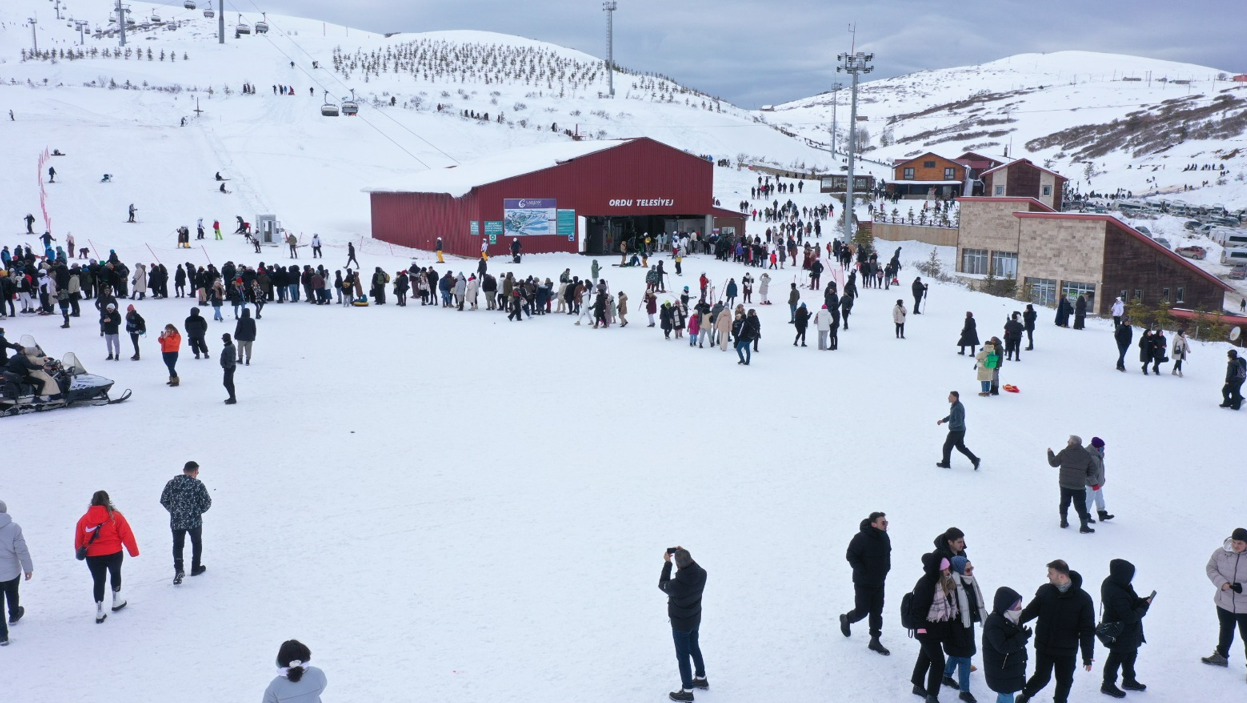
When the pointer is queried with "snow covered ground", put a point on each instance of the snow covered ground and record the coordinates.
(452, 507)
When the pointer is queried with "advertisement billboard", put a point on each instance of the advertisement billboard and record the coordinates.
(529, 216)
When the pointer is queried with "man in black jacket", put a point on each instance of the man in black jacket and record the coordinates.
(196, 328)
(684, 611)
(1232, 391)
(951, 543)
(920, 290)
(1122, 605)
(870, 555)
(1123, 334)
(1065, 621)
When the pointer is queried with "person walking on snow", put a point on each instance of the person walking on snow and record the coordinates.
(898, 318)
(350, 255)
(1235, 374)
(969, 335)
(1181, 347)
(1004, 646)
(1065, 623)
(1119, 311)
(228, 365)
(870, 555)
(1122, 605)
(1075, 464)
(1095, 481)
(932, 610)
(100, 534)
(14, 562)
(1227, 569)
(960, 645)
(684, 594)
(956, 420)
(1123, 335)
(186, 499)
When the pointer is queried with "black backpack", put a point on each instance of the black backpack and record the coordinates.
(907, 617)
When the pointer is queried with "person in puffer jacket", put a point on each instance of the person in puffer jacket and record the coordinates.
(103, 530)
(1121, 604)
(1227, 569)
(186, 499)
(14, 561)
(1004, 646)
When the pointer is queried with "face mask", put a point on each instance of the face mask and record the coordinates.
(1013, 616)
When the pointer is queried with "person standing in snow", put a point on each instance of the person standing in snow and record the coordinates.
(1075, 464)
(932, 610)
(764, 286)
(131, 210)
(1028, 323)
(801, 321)
(956, 420)
(794, 298)
(186, 499)
(1095, 481)
(1013, 338)
(969, 335)
(1227, 569)
(1004, 646)
(1123, 335)
(622, 309)
(870, 555)
(295, 680)
(110, 322)
(1080, 312)
(1065, 622)
(1235, 374)
(684, 611)
(898, 318)
(170, 344)
(102, 532)
(196, 328)
(960, 645)
(1119, 311)
(14, 561)
(316, 246)
(1122, 605)
(228, 365)
(822, 323)
(1180, 349)
(244, 334)
(919, 290)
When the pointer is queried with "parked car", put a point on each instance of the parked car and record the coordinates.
(1192, 252)
(1239, 272)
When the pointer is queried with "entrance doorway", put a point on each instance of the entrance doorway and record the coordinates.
(603, 234)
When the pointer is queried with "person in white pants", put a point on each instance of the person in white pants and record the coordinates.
(1095, 481)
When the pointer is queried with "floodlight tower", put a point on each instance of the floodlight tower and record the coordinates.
(609, 7)
(33, 37)
(854, 65)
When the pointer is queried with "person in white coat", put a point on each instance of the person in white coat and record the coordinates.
(1227, 569)
(764, 285)
(14, 561)
(138, 282)
(473, 287)
(822, 323)
(296, 682)
(1180, 349)
(1119, 310)
(898, 317)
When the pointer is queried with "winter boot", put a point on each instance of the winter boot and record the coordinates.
(100, 615)
(931, 698)
(21, 610)
(119, 601)
(197, 570)
(967, 697)
(1105, 517)
(135, 357)
(877, 646)
(177, 577)
(920, 691)
(1110, 689)
(701, 683)
(844, 626)
(1133, 685)
(951, 683)
(174, 381)
(680, 695)
(1064, 522)
(1022, 698)
(1090, 520)
(1086, 529)
(1216, 659)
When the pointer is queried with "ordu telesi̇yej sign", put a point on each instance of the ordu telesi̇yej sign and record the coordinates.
(529, 216)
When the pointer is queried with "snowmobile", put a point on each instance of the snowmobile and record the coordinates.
(57, 384)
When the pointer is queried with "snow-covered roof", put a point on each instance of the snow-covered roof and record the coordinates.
(457, 181)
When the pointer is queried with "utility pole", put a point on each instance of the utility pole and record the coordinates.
(220, 24)
(835, 96)
(58, 9)
(610, 6)
(853, 64)
(34, 39)
(121, 21)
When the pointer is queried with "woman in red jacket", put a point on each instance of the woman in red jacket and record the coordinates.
(103, 531)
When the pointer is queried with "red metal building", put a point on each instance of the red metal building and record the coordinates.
(559, 197)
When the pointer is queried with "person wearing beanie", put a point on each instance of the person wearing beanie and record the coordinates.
(1004, 646)
(1095, 481)
(295, 680)
(1075, 464)
(1227, 569)
(870, 555)
(684, 611)
(961, 645)
(1065, 623)
(1122, 605)
(186, 499)
(933, 609)
(14, 561)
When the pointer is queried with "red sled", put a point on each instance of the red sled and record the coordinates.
(1011, 389)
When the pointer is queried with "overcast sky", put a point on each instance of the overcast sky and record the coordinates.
(753, 52)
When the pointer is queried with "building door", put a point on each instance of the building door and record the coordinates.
(1042, 291)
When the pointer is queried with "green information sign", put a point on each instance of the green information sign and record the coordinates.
(493, 227)
(475, 228)
(567, 223)
(493, 239)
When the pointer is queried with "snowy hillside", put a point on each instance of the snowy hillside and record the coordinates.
(1105, 121)
(281, 154)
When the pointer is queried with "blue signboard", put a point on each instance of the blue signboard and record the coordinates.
(529, 216)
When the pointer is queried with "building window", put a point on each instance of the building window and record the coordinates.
(1047, 190)
(909, 174)
(974, 261)
(928, 164)
(950, 173)
(1073, 289)
(1164, 295)
(1000, 190)
(1004, 264)
(1138, 294)
(1042, 291)
(1181, 295)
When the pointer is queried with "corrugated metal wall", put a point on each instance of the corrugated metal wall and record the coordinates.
(592, 185)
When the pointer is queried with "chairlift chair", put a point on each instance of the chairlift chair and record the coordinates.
(350, 107)
(209, 12)
(189, 4)
(156, 19)
(328, 109)
(243, 27)
(261, 27)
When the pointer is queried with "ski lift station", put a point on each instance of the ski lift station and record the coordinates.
(580, 196)
(268, 230)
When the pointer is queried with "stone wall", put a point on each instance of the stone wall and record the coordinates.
(939, 236)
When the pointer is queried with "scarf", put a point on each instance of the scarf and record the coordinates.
(1013, 615)
(943, 606)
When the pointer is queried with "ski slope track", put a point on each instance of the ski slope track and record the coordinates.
(446, 506)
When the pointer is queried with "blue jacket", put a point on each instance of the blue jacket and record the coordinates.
(956, 418)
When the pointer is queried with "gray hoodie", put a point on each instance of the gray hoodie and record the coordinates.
(14, 556)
